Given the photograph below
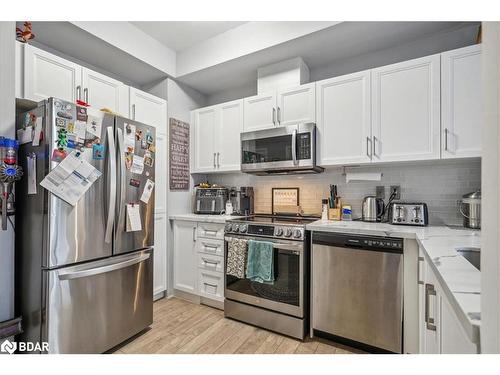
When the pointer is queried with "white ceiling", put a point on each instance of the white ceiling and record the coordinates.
(179, 35)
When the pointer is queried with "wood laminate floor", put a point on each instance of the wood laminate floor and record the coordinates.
(180, 327)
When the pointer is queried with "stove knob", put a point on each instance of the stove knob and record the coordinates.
(243, 228)
(279, 231)
(236, 228)
(297, 233)
(288, 232)
(228, 227)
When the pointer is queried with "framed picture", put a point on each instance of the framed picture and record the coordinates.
(284, 197)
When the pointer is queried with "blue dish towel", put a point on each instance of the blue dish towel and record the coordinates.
(260, 261)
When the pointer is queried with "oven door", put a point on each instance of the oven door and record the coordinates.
(286, 293)
(282, 148)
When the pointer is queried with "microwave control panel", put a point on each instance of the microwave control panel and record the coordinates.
(304, 146)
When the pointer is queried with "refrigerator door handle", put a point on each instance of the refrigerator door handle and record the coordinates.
(112, 187)
(104, 269)
(121, 154)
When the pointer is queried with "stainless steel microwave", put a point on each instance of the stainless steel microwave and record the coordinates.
(281, 150)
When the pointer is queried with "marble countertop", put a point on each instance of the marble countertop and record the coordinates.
(216, 219)
(460, 280)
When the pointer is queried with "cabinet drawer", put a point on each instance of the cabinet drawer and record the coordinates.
(208, 246)
(215, 231)
(210, 262)
(211, 285)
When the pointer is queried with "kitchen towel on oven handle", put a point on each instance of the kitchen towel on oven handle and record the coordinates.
(260, 261)
(236, 257)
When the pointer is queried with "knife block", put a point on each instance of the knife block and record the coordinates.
(335, 213)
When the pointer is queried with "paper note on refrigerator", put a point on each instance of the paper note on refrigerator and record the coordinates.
(71, 179)
(129, 138)
(137, 164)
(134, 223)
(25, 135)
(31, 166)
(148, 189)
(37, 132)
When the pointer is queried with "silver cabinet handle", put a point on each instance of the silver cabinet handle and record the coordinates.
(420, 259)
(212, 285)
(274, 116)
(294, 147)
(218, 160)
(194, 234)
(446, 139)
(368, 142)
(211, 262)
(429, 291)
(279, 116)
(215, 165)
(374, 145)
(86, 95)
(79, 92)
(103, 269)
(133, 111)
(112, 187)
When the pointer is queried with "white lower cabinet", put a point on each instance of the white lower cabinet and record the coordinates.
(199, 259)
(440, 329)
(185, 257)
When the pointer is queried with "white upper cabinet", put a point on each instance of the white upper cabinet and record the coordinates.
(230, 126)
(296, 105)
(216, 137)
(461, 99)
(147, 108)
(406, 110)
(343, 118)
(260, 112)
(205, 124)
(101, 91)
(47, 75)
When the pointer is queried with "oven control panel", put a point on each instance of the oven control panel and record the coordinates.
(276, 231)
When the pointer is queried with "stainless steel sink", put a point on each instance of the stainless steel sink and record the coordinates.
(472, 254)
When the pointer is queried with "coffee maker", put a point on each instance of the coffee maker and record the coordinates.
(242, 200)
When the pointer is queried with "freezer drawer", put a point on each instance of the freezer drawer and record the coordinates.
(95, 306)
(357, 295)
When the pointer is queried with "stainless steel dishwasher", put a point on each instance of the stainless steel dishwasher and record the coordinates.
(357, 290)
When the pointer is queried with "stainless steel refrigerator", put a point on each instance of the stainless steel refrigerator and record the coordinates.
(83, 283)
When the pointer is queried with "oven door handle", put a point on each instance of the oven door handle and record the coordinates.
(278, 245)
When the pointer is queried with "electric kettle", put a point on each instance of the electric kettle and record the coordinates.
(372, 209)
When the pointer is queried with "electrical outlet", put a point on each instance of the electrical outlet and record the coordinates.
(380, 192)
(397, 190)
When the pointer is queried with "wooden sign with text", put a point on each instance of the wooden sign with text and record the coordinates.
(179, 154)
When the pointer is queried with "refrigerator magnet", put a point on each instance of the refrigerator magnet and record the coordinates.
(148, 160)
(138, 135)
(98, 151)
(144, 144)
(135, 183)
(152, 148)
(58, 155)
(149, 138)
(128, 160)
(129, 138)
(148, 189)
(60, 122)
(81, 114)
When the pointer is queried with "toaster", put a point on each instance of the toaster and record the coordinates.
(210, 200)
(402, 213)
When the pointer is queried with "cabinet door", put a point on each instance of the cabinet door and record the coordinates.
(19, 69)
(296, 105)
(227, 136)
(454, 339)
(461, 98)
(344, 119)
(185, 257)
(101, 91)
(148, 109)
(432, 313)
(47, 75)
(259, 112)
(205, 125)
(160, 255)
(406, 110)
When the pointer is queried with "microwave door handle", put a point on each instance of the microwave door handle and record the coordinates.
(294, 147)
(112, 185)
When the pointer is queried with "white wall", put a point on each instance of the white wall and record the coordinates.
(490, 252)
(7, 129)
(181, 100)
(243, 40)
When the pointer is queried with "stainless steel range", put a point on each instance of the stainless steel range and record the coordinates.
(281, 305)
